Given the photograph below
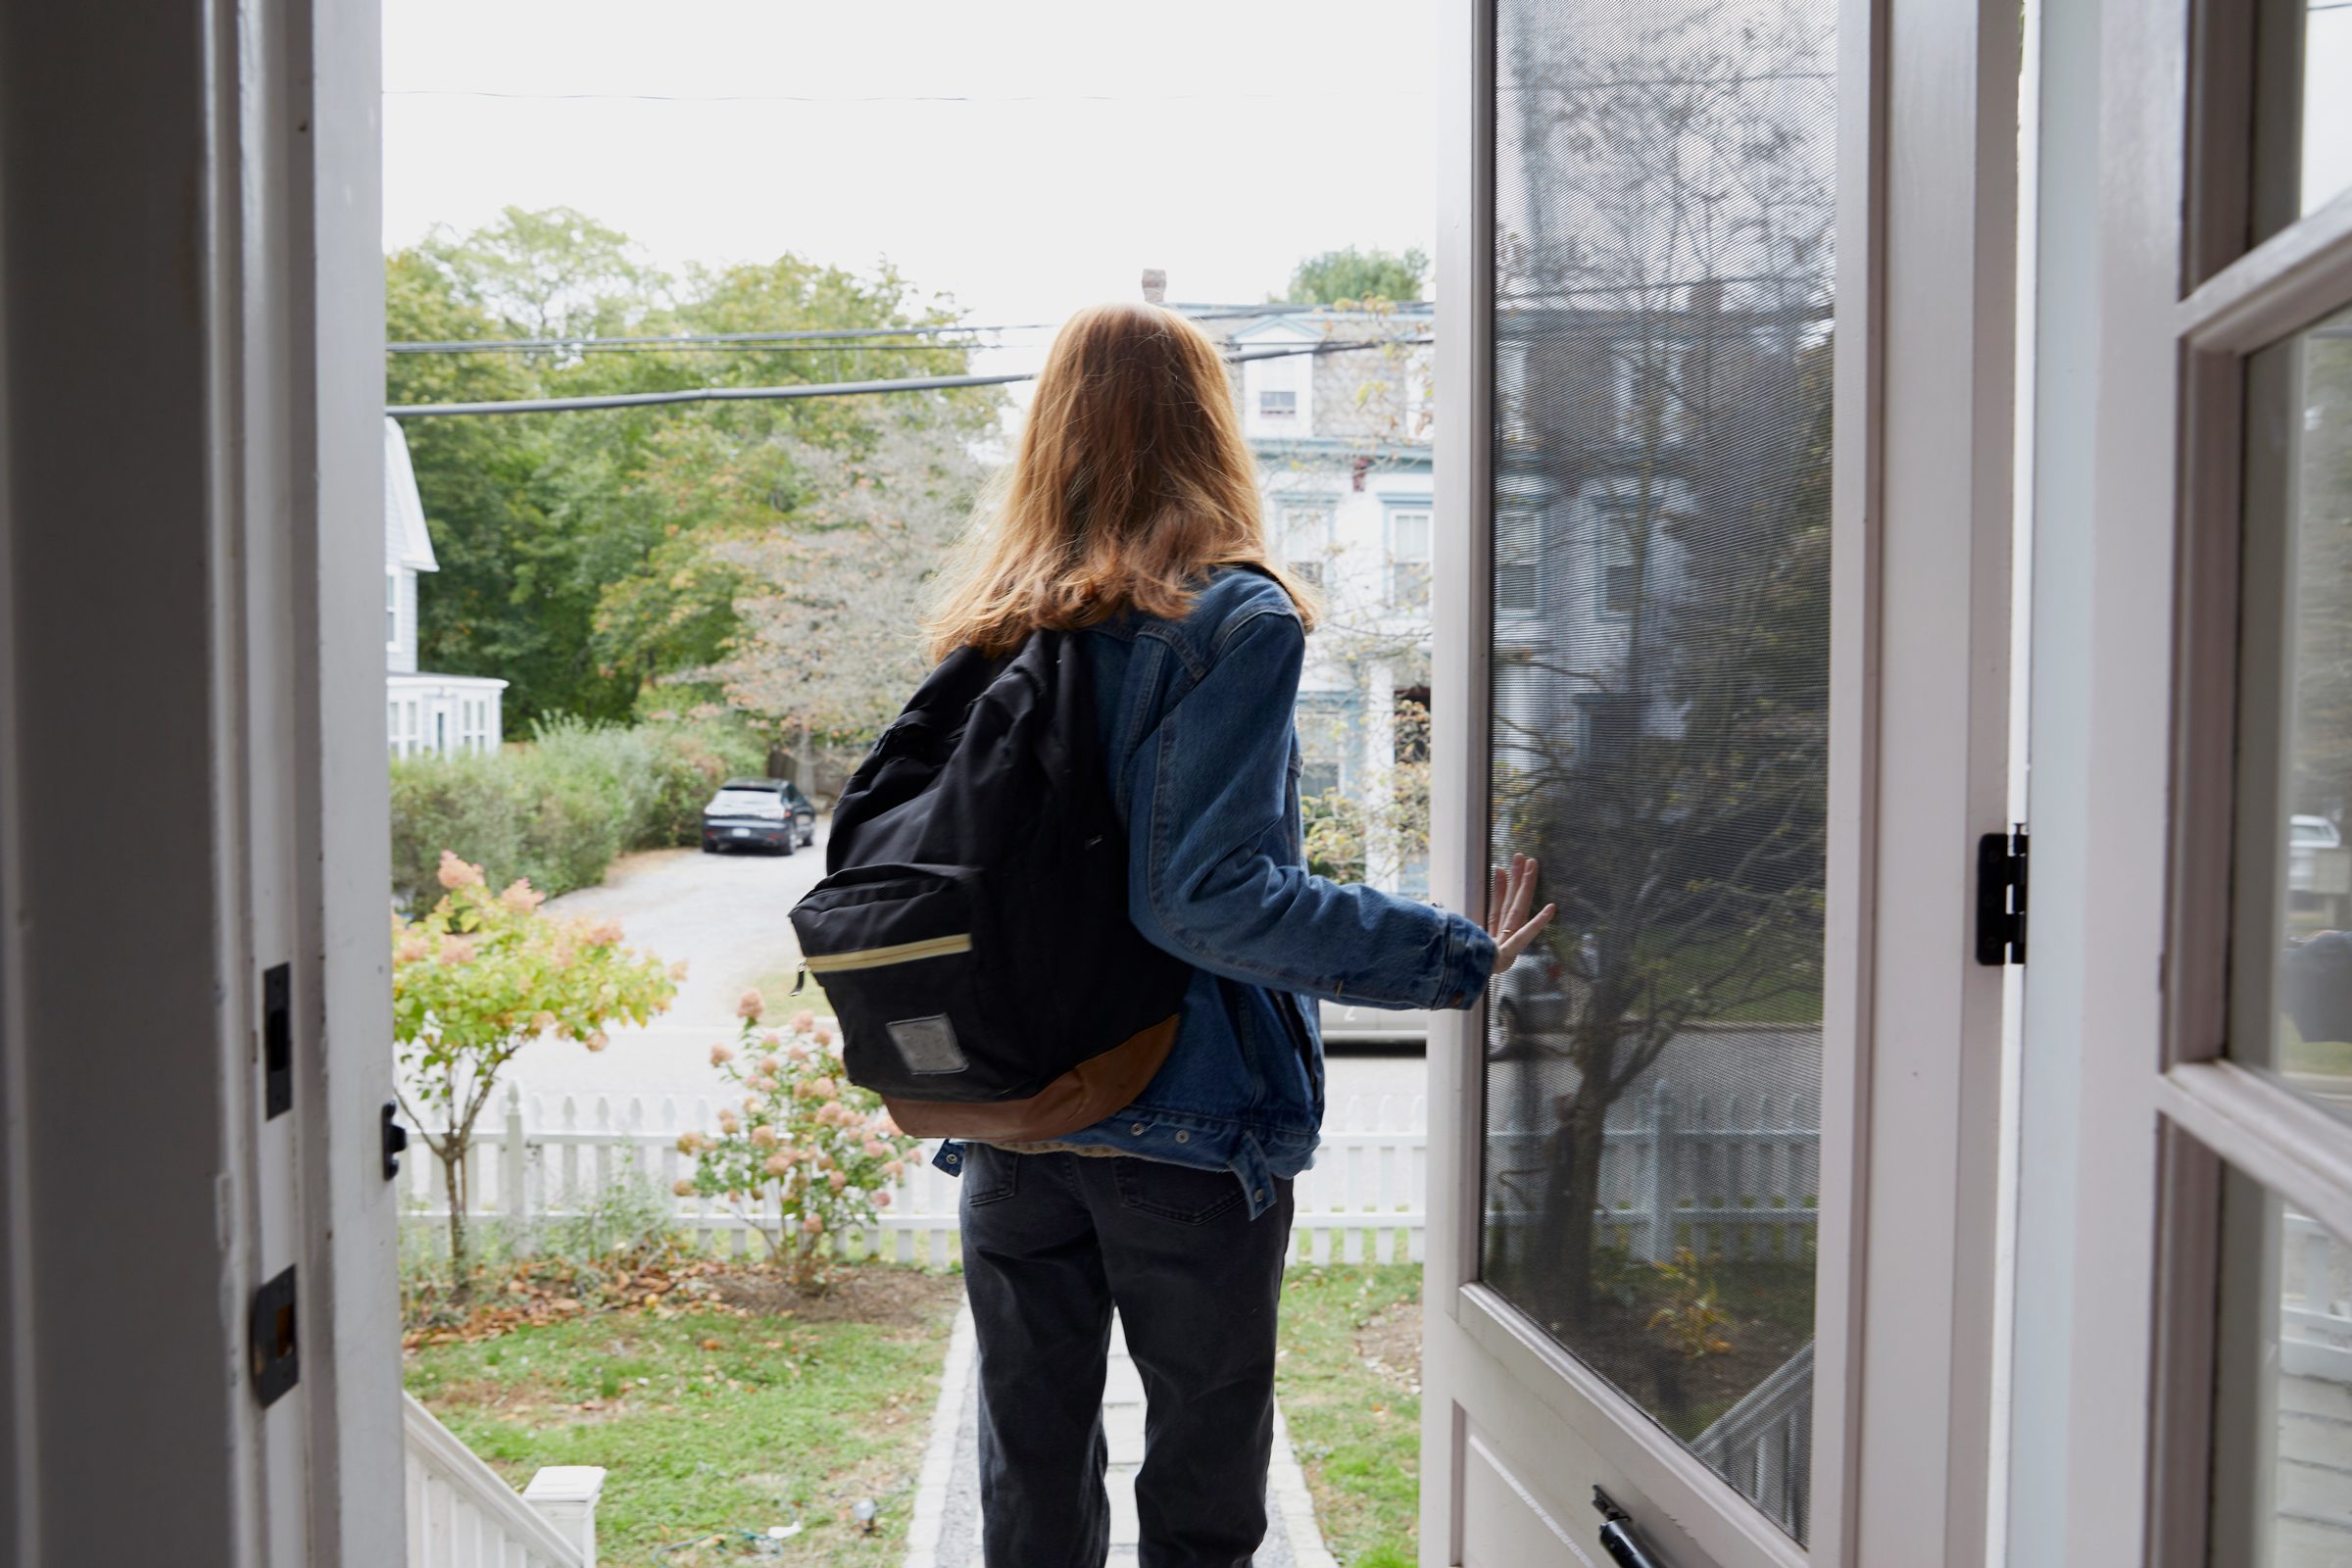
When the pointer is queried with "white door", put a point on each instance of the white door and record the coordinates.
(2207, 1349)
(1714, 1177)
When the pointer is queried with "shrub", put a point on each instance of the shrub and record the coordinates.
(475, 978)
(556, 811)
(806, 1154)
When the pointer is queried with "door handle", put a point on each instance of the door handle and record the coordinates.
(1617, 1537)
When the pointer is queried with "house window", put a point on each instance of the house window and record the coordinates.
(391, 609)
(1517, 587)
(1618, 567)
(1325, 727)
(1277, 405)
(1409, 560)
(392, 728)
(1306, 541)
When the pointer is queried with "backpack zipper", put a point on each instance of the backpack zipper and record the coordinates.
(896, 953)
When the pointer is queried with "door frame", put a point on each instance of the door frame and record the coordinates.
(2184, 301)
(190, 534)
(1921, 498)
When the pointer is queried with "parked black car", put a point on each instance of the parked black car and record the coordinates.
(771, 812)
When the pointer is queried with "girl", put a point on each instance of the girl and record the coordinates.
(1132, 512)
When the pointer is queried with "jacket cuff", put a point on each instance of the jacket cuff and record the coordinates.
(1469, 961)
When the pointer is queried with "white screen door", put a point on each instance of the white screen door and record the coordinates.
(1722, 628)
(2209, 1340)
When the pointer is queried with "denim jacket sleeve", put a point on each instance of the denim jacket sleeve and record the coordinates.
(1208, 791)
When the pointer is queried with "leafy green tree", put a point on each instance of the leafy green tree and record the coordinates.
(1352, 274)
(582, 553)
(553, 272)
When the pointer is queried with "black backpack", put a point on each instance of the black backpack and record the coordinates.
(972, 932)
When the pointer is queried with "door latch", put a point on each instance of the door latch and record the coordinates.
(2001, 887)
(1617, 1537)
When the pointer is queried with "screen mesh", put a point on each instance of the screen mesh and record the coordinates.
(1664, 202)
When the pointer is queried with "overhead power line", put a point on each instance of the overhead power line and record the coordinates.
(1225, 96)
(814, 389)
(830, 334)
(841, 334)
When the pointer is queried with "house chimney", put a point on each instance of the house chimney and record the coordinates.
(1155, 285)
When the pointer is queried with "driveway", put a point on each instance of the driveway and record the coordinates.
(727, 917)
(725, 914)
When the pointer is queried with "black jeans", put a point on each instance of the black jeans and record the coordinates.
(1050, 1243)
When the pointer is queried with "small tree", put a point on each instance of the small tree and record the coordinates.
(806, 1154)
(476, 977)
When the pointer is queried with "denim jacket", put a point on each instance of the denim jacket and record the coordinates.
(1196, 720)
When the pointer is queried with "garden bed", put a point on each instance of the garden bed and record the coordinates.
(720, 1400)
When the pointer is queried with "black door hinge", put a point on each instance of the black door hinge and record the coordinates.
(271, 1339)
(2001, 861)
(1617, 1537)
(396, 1138)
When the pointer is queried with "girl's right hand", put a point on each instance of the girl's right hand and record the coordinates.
(1508, 919)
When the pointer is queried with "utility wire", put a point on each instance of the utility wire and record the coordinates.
(694, 346)
(831, 334)
(521, 345)
(1287, 95)
(814, 389)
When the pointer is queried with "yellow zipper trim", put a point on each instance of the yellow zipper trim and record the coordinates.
(896, 953)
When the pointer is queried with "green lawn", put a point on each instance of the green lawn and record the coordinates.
(1356, 1425)
(1703, 959)
(710, 1423)
(775, 988)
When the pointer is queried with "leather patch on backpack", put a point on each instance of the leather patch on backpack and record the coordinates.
(1079, 1097)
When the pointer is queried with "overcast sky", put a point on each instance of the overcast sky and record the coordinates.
(1024, 156)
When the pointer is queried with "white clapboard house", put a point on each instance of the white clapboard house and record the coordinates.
(423, 712)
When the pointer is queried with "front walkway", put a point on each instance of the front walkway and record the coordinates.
(946, 1529)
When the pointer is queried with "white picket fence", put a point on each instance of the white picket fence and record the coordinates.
(552, 1160)
(1725, 1175)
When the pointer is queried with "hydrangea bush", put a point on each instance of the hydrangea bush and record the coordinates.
(804, 1154)
(480, 974)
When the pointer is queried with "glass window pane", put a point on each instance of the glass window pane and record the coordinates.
(2302, 109)
(1306, 541)
(2282, 1406)
(2293, 864)
(1664, 202)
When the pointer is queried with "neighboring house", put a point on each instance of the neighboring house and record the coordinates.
(443, 715)
(1343, 444)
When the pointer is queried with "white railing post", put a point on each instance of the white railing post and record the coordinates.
(511, 1157)
(1661, 1177)
(565, 1495)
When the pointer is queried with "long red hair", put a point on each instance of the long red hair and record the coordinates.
(1132, 480)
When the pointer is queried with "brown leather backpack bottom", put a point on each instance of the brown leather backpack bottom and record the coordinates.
(1079, 1097)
